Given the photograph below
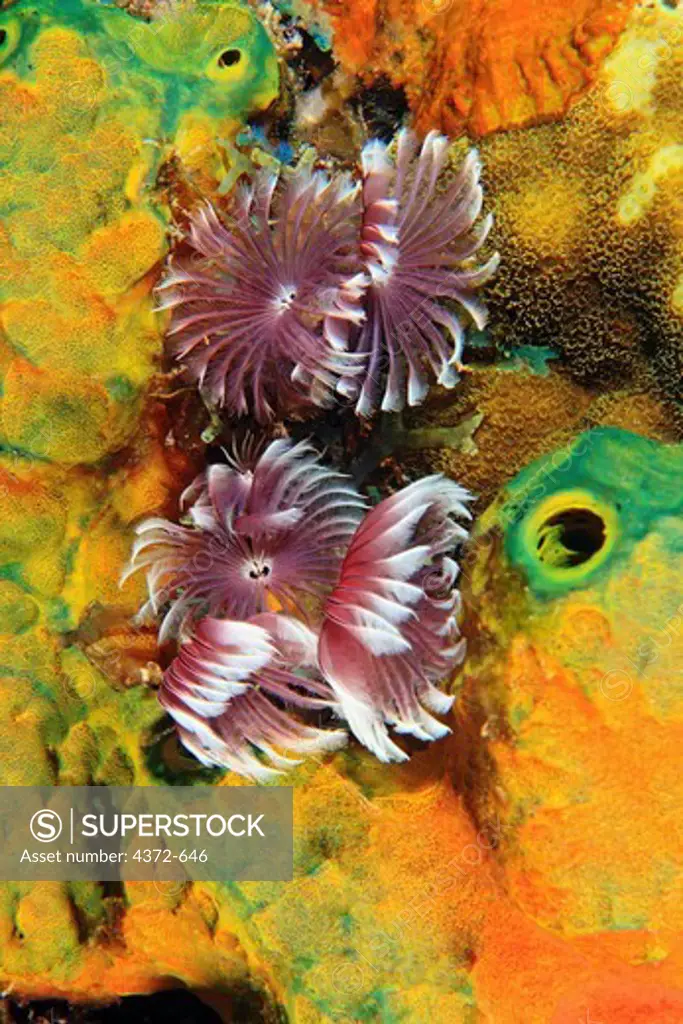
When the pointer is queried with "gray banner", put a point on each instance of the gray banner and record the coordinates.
(168, 834)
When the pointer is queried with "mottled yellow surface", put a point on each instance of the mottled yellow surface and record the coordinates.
(86, 129)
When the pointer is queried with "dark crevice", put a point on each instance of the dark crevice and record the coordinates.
(579, 533)
(229, 58)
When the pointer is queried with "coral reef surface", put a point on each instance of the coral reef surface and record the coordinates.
(528, 865)
(589, 221)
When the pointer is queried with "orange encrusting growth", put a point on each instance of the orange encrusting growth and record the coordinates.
(478, 65)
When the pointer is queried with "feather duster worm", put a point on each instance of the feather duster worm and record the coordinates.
(233, 691)
(418, 244)
(390, 628)
(314, 288)
(277, 525)
(263, 306)
(282, 526)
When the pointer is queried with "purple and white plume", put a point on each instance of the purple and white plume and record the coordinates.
(236, 691)
(417, 242)
(264, 304)
(280, 530)
(317, 285)
(390, 630)
(270, 531)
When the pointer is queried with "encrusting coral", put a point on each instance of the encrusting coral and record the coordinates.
(87, 125)
(442, 888)
(588, 222)
(506, 415)
(576, 582)
(482, 910)
(86, 106)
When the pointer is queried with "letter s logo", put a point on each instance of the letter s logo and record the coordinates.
(46, 826)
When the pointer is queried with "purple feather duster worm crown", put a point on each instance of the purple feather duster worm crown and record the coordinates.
(263, 306)
(233, 689)
(317, 285)
(386, 634)
(418, 246)
(390, 629)
(275, 526)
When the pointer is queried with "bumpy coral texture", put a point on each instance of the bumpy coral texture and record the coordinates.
(477, 66)
(401, 868)
(588, 221)
(479, 903)
(80, 235)
(401, 908)
(86, 123)
(579, 590)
